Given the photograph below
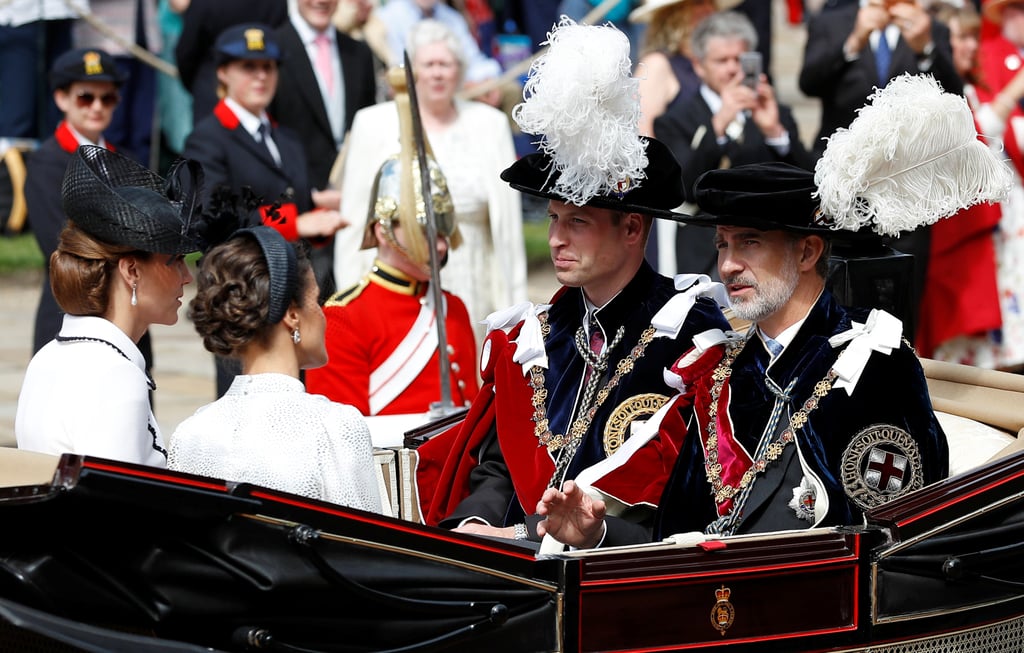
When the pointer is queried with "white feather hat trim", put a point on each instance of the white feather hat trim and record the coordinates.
(910, 158)
(584, 104)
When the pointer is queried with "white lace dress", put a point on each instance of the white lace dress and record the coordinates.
(268, 431)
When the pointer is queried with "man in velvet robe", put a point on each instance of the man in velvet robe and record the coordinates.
(486, 477)
(816, 414)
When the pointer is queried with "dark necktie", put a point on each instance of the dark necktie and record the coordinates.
(883, 59)
(264, 132)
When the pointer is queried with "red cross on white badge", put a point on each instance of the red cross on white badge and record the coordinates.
(885, 470)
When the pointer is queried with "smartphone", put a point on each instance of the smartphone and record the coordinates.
(750, 64)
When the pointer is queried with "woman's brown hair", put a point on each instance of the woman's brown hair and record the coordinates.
(82, 270)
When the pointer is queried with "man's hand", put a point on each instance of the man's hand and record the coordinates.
(573, 517)
(766, 111)
(319, 224)
(915, 24)
(735, 98)
(871, 16)
(327, 199)
(477, 528)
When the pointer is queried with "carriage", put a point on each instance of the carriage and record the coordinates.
(99, 555)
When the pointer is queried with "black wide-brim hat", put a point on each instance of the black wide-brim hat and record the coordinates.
(84, 65)
(246, 41)
(116, 200)
(764, 196)
(656, 195)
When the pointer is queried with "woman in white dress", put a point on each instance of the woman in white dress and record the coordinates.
(118, 268)
(472, 142)
(257, 301)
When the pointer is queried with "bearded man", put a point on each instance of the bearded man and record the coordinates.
(816, 414)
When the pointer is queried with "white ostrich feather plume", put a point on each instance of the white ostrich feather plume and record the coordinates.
(583, 103)
(910, 158)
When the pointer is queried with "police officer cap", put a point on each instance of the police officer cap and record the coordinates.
(247, 41)
(84, 65)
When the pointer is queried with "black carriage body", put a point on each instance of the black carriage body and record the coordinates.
(171, 560)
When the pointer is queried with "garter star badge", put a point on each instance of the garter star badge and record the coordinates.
(881, 462)
(723, 613)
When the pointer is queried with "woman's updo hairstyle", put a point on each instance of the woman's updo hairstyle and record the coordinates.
(82, 270)
(239, 297)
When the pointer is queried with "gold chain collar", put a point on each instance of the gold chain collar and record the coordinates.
(579, 427)
(721, 490)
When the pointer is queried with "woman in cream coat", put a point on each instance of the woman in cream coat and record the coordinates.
(472, 142)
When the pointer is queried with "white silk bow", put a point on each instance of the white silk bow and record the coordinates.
(669, 320)
(530, 342)
(882, 333)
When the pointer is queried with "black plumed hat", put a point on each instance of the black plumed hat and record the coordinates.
(764, 196)
(656, 195)
(116, 200)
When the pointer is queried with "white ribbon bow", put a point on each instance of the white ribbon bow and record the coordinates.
(882, 333)
(530, 342)
(669, 320)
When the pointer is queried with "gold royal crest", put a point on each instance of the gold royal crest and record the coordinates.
(617, 426)
(254, 39)
(93, 63)
(722, 613)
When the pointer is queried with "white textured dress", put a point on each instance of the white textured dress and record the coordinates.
(488, 271)
(266, 430)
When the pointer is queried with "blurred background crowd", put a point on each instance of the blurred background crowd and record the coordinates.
(171, 89)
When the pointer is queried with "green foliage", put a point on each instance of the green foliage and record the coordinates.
(19, 253)
(535, 234)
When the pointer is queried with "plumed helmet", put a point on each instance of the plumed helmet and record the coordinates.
(401, 204)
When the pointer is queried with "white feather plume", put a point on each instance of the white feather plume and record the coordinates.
(910, 158)
(582, 101)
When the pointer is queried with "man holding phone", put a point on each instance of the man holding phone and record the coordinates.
(733, 120)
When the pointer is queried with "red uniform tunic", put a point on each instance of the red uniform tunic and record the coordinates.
(365, 325)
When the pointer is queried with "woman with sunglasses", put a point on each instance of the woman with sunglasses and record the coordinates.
(85, 86)
(118, 268)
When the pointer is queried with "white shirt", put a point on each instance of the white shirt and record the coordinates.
(268, 431)
(20, 12)
(89, 397)
(334, 102)
(251, 123)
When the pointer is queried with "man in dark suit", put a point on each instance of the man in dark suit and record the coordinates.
(843, 56)
(202, 22)
(728, 123)
(325, 77)
(853, 49)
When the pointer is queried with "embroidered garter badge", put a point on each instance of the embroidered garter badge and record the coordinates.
(881, 463)
(617, 427)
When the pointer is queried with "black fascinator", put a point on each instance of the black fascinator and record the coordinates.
(116, 200)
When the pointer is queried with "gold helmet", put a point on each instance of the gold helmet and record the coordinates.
(397, 193)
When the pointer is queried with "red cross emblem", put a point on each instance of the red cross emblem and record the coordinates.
(885, 471)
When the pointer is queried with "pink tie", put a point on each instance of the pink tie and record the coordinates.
(323, 62)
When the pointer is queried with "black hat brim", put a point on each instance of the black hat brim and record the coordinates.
(657, 195)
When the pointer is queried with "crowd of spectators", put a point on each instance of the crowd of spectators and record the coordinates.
(692, 97)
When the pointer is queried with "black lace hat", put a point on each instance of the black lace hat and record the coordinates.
(84, 65)
(247, 41)
(116, 200)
